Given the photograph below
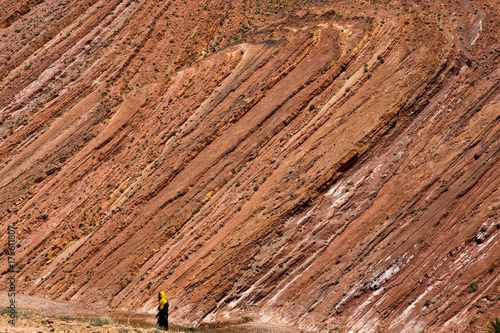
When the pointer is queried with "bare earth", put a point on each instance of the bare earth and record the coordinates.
(315, 165)
(32, 323)
(45, 315)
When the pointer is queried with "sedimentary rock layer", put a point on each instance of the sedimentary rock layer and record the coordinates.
(307, 163)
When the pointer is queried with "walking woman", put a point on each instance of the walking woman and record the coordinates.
(162, 310)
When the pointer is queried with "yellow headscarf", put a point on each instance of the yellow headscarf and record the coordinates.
(162, 300)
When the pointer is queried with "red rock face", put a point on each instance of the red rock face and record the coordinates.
(314, 164)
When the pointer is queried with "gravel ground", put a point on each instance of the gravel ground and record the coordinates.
(28, 323)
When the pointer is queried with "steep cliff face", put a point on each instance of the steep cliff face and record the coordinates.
(308, 163)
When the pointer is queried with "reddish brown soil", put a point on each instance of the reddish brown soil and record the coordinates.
(317, 164)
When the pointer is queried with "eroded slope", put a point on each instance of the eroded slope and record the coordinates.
(330, 166)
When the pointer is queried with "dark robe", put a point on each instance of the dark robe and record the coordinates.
(163, 317)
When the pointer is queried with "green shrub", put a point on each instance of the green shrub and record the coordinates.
(105, 320)
(473, 287)
(494, 326)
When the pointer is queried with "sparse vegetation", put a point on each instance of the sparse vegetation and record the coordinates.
(105, 320)
(493, 326)
(67, 323)
(122, 91)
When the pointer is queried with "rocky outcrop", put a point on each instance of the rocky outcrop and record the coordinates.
(326, 166)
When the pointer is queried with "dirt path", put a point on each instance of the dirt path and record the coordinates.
(28, 323)
(32, 305)
(44, 315)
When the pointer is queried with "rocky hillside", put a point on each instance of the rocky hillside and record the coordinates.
(328, 165)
